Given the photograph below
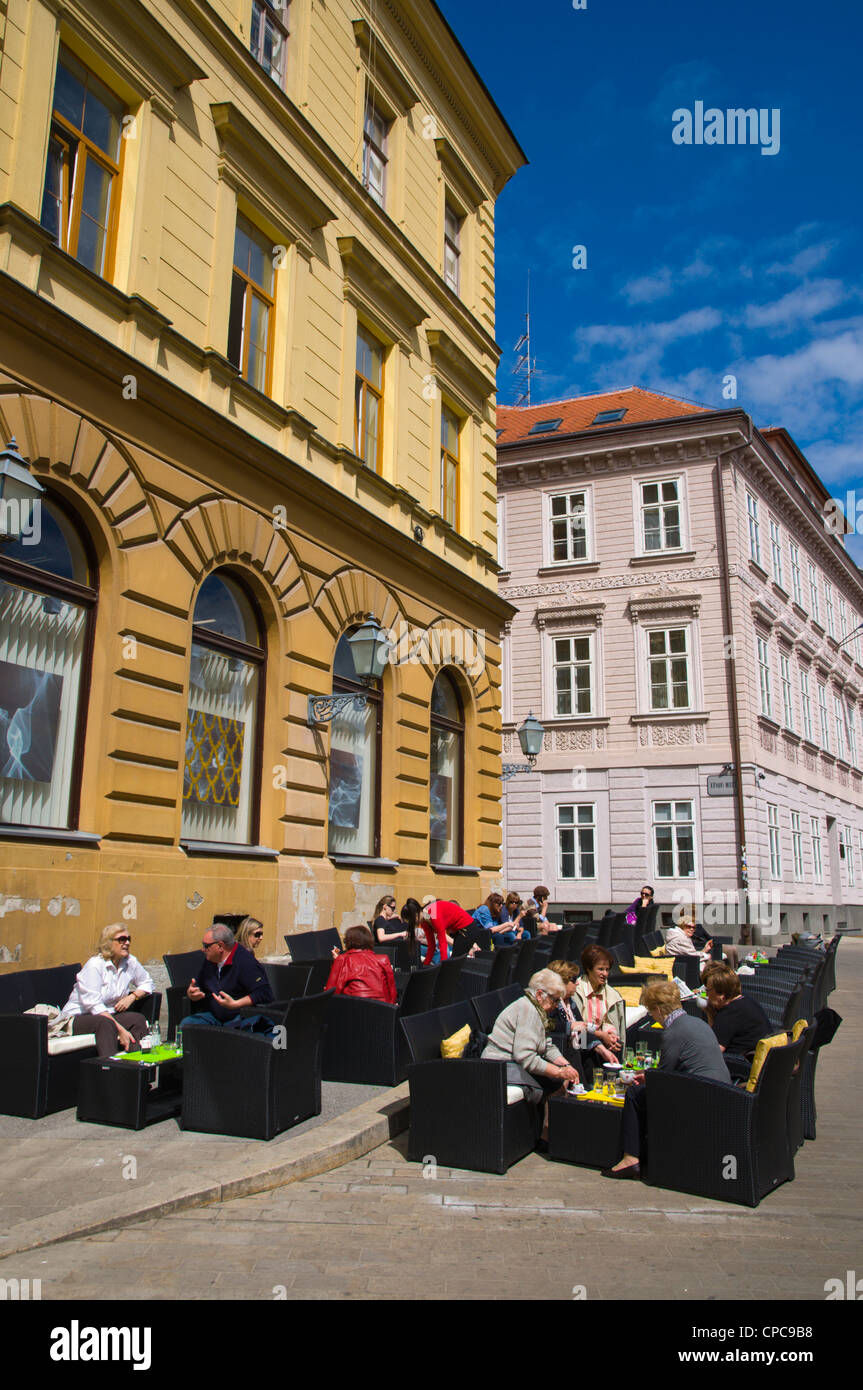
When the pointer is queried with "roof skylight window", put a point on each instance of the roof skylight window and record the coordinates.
(607, 417)
(545, 426)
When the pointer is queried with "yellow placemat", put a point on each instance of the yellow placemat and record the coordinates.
(606, 1100)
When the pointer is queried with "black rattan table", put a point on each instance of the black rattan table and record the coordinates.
(129, 1094)
(586, 1132)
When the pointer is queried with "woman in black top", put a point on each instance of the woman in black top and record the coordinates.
(739, 1023)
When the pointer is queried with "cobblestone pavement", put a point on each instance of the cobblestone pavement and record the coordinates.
(381, 1227)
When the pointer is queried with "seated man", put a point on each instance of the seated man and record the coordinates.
(229, 979)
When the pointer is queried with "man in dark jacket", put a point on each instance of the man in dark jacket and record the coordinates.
(228, 980)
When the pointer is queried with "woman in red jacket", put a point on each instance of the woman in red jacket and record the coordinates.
(360, 972)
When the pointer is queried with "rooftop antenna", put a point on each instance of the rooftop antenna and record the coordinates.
(525, 365)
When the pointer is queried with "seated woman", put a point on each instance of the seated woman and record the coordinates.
(565, 1019)
(688, 1047)
(600, 1006)
(679, 942)
(359, 972)
(110, 984)
(386, 924)
(494, 916)
(250, 933)
(520, 1038)
(738, 1022)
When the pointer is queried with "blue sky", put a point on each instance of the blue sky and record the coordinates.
(702, 260)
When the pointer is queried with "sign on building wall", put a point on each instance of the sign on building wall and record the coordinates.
(720, 786)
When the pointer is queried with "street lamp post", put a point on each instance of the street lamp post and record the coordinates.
(530, 737)
(17, 488)
(370, 647)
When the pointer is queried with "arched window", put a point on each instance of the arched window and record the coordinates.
(446, 820)
(47, 603)
(221, 784)
(355, 764)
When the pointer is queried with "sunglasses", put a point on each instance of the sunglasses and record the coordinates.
(123, 939)
(257, 933)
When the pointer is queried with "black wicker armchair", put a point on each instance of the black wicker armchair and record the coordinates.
(364, 1042)
(721, 1141)
(36, 1080)
(459, 1114)
(249, 1084)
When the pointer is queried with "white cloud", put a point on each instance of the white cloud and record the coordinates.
(805, 302)
(648, 288)
(805, 261)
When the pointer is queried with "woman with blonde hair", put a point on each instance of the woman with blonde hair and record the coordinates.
(688, 1047)
(110, 984)
(250, 934)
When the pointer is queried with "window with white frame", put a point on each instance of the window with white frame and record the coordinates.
(860, 845)
(815, 836)
(268, 38)
(668, 663)
(754, 528)
(661, 515)
(849, 855)
(576, 841)
(773, 840)
(776, 553)
(839, 723)
(568, 522)
(851, 733)
(376, 129)
(828, 605)
(843, 619)
(787, 695)
(501, 533)
(573, 675)
(674, 839)
(766, 698)
(814, 606)
(797, 846)
(796, 583)
(452, 248)
(823, 716)
(806, 706)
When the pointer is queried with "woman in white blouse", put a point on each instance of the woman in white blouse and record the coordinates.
(107, 986)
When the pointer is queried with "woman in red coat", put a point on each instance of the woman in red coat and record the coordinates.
(361, 973)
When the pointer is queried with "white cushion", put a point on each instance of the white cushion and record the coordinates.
(70, 1044)
(635, 1015)
(514, 1094)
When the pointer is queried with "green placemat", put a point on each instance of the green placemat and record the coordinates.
(166, 1053)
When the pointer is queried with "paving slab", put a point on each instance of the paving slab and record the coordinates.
(63, 1178)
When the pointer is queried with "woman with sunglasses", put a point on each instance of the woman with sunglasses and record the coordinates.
(106, 991)
(250, 933)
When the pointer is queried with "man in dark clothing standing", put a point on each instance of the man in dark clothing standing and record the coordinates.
(228, 980)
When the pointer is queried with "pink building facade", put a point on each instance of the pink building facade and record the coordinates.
(686, 634)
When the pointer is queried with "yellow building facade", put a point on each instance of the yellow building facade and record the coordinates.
(247, 347)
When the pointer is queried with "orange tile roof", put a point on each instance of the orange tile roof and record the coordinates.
(515, 422)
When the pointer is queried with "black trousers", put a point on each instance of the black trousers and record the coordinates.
(634, 1120)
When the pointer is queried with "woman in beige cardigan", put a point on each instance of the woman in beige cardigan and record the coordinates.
(600, 1006)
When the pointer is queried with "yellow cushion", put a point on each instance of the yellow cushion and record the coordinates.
(658, 951)
(800, 1027)
(455, 1045)
(654, 966)
(631, 995)
(761, 1051)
